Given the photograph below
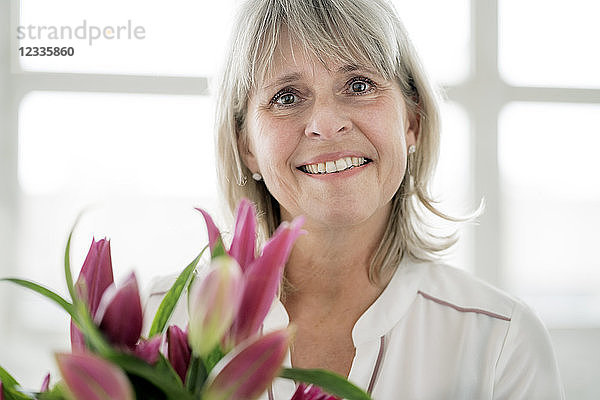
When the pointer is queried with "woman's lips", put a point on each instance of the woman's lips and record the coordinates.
(334, 166)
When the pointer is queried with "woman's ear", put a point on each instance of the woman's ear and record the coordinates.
(246, 154)
(413, 127)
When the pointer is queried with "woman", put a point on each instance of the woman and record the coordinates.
(325, 105)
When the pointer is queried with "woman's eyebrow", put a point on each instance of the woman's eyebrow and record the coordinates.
(282, 80)
(346, 68)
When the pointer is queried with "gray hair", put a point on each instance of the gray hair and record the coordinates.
(358, 32)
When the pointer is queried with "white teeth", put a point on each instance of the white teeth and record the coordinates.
(330, 166)
(341, 164)
(335, 166)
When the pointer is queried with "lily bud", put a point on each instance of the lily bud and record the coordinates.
(246, 374)
(45, 383)
(244, 237)
(120, 315)
(178, 351)
(212, 304)
(95, 277)
(149, 349)
(89, 377)
(262, 279)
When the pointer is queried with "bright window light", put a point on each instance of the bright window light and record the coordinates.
(549, 42)
(440, 30)
(548, 160)
(452, 183)
(114, 143)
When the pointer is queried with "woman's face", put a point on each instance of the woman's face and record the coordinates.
(330, 141)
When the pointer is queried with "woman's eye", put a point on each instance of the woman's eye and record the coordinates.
(286, 99)
(358, 86)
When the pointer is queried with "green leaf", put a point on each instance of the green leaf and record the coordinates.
(14, 393)
(7, 379)
(219, 249)
(11, 387)
(165, 310)
(68, 275)
(64, 304)
(213, 358)
(196, 375)
(56, 393)
(328, 381)
(162, 374)
(93, 337)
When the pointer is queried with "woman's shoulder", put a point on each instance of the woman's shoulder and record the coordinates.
(461, 291)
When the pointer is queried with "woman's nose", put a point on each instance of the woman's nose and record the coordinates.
(327, 120)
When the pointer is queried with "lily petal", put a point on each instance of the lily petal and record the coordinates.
(45, 383)
(96, 274)
(213, 231)
(120, 315)
(213, 302)
(77, 339)
(149, 349)
(178, 350)
(92, 378)
(246, 373)
(244, 237)
(311, 392)
(95, 277)
(262, 280)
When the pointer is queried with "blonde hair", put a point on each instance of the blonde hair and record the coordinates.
(358, 32)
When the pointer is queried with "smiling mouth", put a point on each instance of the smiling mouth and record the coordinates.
(331, 167)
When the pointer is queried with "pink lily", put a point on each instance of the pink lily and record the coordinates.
(89, 377)
(213, 232)
(95, 277)
(149, 349)
(178, 350)
(213, 302)
(245, 374)
(244, 238)
(45, 383)
(119, 314)
(262, 275)
(262, 278)
(311, 392)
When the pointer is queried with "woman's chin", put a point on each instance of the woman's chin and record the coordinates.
(346, 216)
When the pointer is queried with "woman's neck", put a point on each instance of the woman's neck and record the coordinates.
(328, 270)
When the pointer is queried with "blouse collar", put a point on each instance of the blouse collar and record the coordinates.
(380, 317)
(390, 306)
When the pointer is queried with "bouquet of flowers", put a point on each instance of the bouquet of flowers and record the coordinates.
(221, 354)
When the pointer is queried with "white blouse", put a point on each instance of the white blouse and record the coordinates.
(436, 332)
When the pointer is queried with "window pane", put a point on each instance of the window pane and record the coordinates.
(549, 43)
(440, 30)
(548, 160)
(140, 162)
(452, 181)
(181, 37)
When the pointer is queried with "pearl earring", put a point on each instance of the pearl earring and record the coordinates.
(411, 149)
(256, 176)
